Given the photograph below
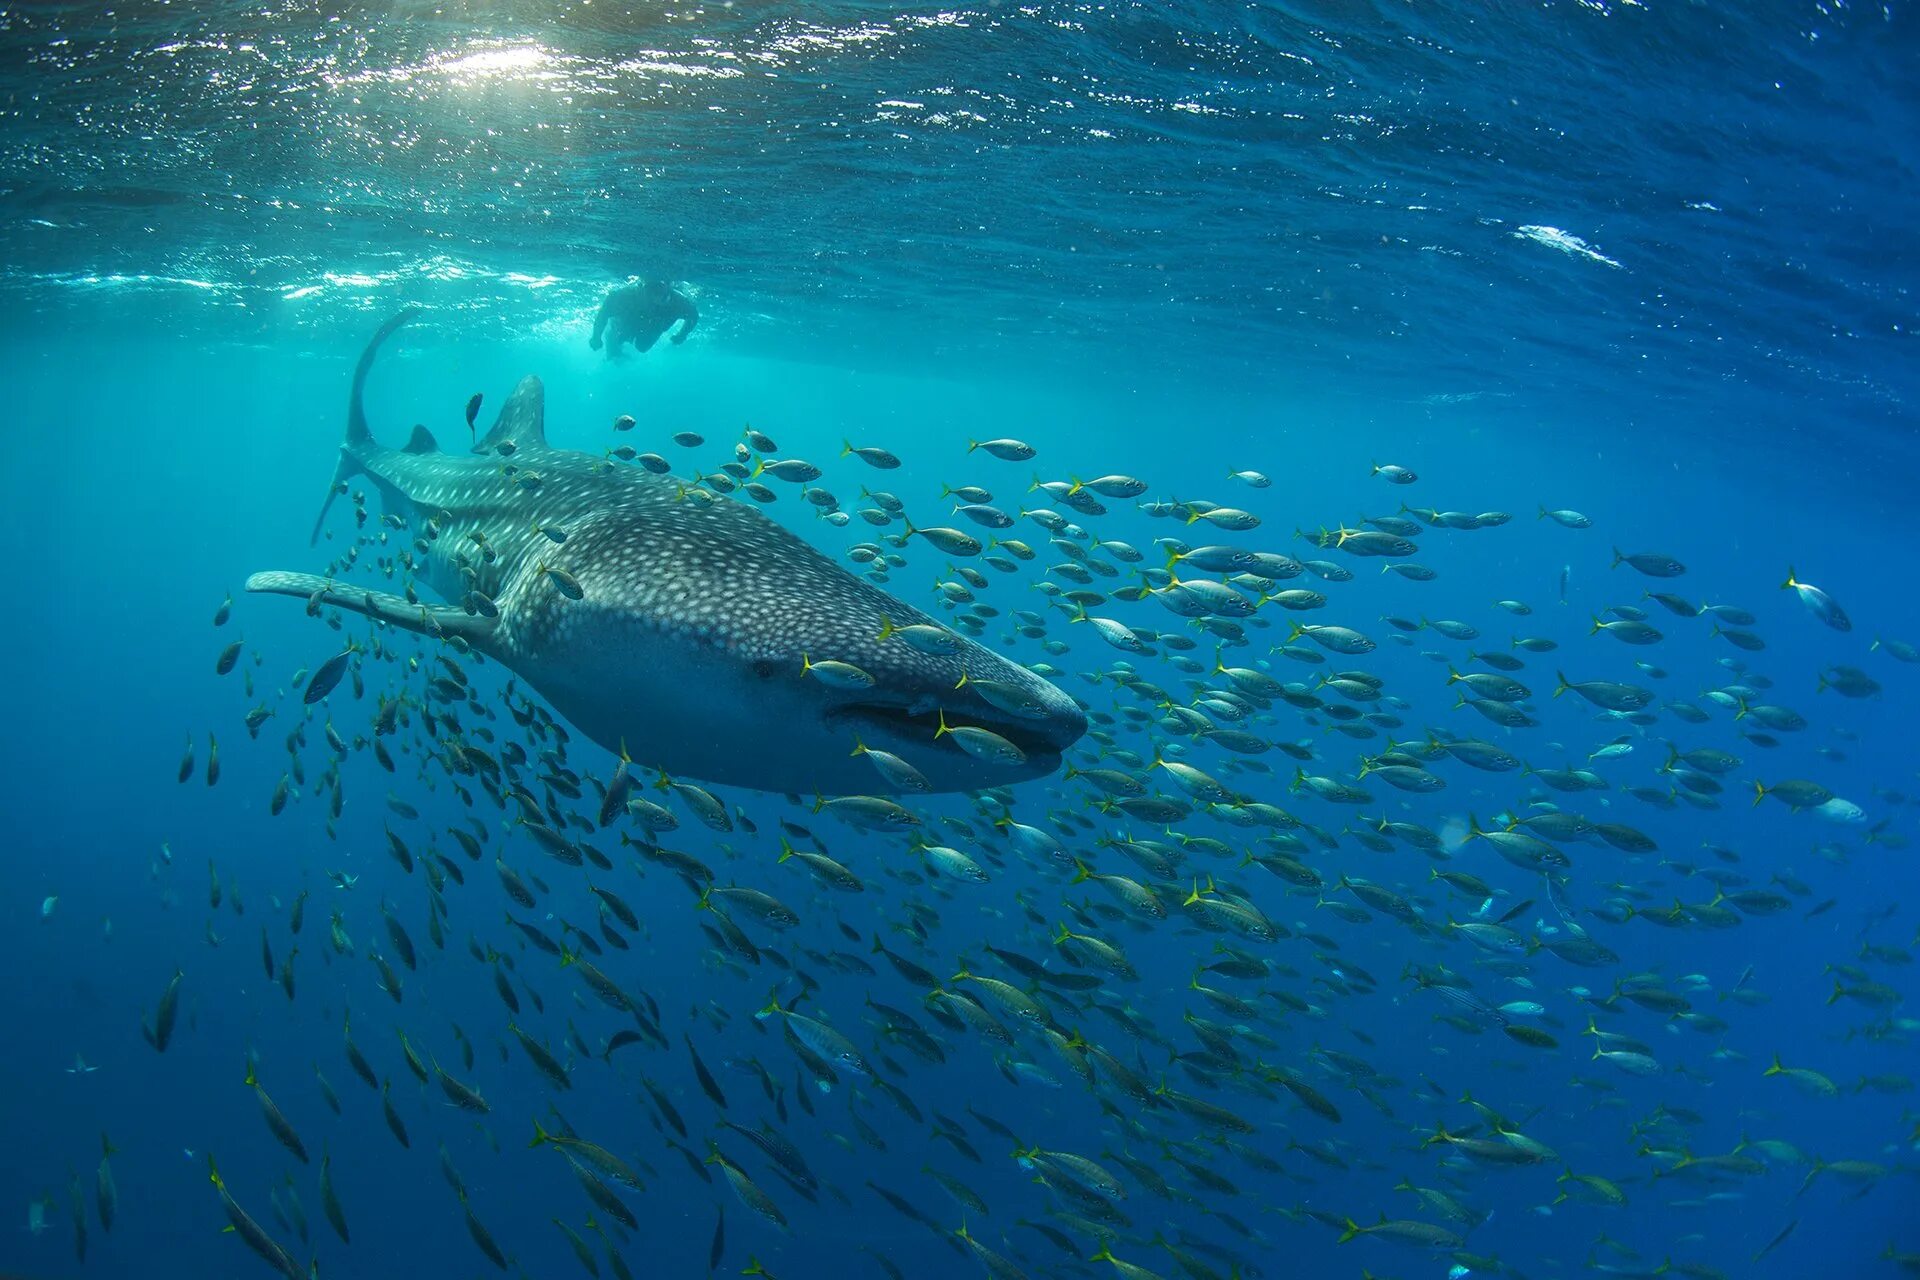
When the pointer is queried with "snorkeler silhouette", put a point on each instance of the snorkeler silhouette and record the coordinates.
(639, 311)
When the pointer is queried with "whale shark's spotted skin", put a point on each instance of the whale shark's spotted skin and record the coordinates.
(687, 643)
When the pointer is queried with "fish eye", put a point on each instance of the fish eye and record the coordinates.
(764, 668)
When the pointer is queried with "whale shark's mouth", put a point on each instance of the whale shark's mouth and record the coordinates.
(1037, 739)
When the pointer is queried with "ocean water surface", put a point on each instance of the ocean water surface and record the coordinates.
(1476, 861)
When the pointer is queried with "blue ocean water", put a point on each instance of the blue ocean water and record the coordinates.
(1652, 263)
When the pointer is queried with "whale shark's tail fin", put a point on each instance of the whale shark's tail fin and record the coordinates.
(359, 435)
(441, 621)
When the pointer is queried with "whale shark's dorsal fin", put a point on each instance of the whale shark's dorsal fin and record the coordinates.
(421, 441)
(522, 420)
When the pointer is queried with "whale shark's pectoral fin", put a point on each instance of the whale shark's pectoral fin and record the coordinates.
(437, 620)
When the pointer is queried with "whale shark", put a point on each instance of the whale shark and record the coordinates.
(684, 630)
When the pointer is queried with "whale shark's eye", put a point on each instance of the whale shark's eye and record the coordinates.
(764, 668)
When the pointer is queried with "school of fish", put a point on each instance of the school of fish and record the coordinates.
(1255, 852)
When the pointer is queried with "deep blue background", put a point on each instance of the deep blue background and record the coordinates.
(1296, 252)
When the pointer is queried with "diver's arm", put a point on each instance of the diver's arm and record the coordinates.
(689, 316)
(600, 321)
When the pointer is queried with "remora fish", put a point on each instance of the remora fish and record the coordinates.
(686, 637)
